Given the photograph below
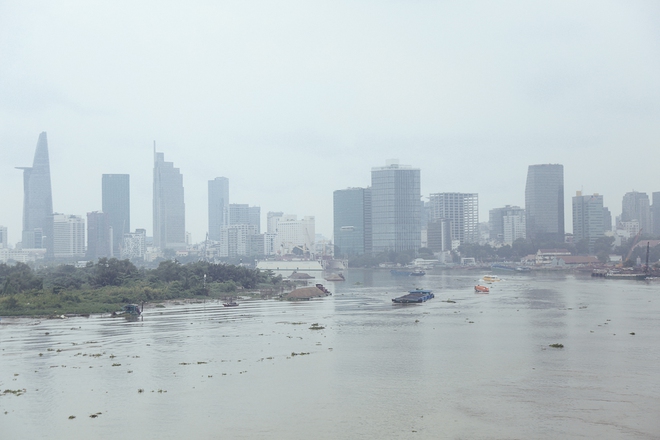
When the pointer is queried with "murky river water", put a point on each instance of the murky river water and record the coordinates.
(478, 368)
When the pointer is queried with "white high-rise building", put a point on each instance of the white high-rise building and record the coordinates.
(272, 219)
(462, 209)
(295, 236)
(68, 236)
(134, 245)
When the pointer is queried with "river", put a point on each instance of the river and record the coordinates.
(460, 366)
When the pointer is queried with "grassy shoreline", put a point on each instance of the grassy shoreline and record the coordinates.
(83, 302)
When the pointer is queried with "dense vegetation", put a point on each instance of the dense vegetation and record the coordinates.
(108, 284)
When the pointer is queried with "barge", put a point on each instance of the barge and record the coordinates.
(414, 296)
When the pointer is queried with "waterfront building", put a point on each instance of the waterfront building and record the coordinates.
(395, 208)
(68, 236)
(352, 221)
(99, 236)
(635, 206)
(134, 245)
(462, 210)
(506, 224)
(169, 211)
(38, 201)
(588, 218)
(116, 204)
(544, 202)
(218, 206)
(295, 236)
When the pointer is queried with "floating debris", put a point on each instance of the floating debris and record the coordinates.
(72, 417)
(14, 392)
(557, 345)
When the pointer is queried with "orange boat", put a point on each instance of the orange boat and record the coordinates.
(481, 289)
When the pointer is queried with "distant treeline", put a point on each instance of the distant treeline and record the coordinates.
(112, 282)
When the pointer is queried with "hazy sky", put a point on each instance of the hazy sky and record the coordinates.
(293, 100)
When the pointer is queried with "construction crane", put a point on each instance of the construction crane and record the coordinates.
(633, 246)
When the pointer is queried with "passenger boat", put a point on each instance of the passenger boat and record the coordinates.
(481, 289)
(490, 278)
(414, 296)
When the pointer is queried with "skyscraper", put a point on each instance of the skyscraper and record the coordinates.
(544, 202)
(636, 206)
(395, 208)
(116, 204)
(3, 237)
(169, 207)
(588, 219)
(507, 224)
(352, 221)
(462, 209)
(243, 214)
(68, 236)
(655, 213)
(98, 236)
(218, 207)
(38, 201)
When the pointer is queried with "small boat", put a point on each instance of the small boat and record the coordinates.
(491, 278)
(417, 273)
(230, 303)
(132, 310)
(414, 296)
(481, 289)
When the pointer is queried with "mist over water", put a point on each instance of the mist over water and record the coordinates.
(479, 368)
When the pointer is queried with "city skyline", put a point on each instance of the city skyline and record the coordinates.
(117, 186)
(289, 109)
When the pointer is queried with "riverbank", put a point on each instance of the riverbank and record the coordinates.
(109, 299)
